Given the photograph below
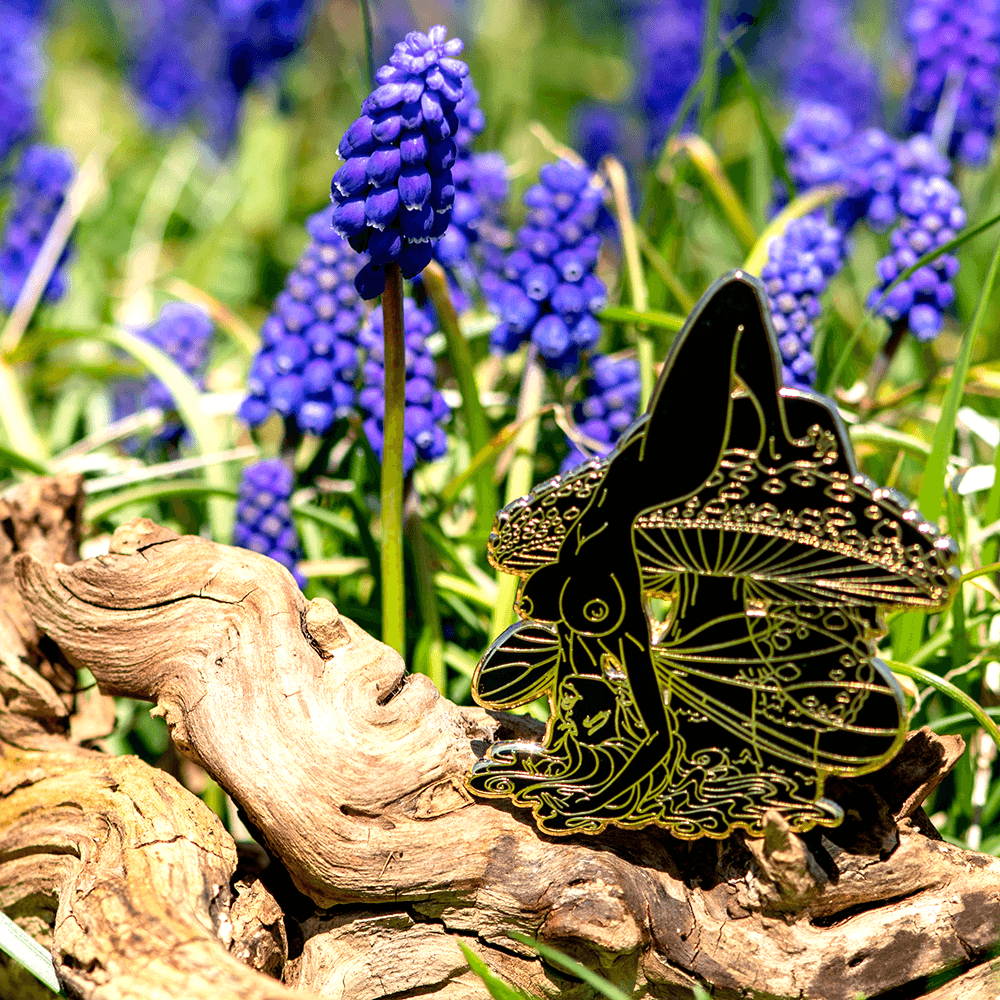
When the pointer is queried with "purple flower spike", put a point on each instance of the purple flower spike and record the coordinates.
(264, 516)
(609, 404)
(405, 133)
(308, 361)
(550, 294)
(40, 184)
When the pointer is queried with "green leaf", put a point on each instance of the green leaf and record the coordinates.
(520, 476)
(907, 629)
(707, 162)
(497, 988)
(795, 209)
(638, 291)
(486, 456)
(955, 693)
(774, 150)
(928, 258)
(467, 589)
(338, 522)
(18, 423)
(555, 957)
(95, 510)
(651, 317)
(18, 461)
(23, 948)
(476, 422)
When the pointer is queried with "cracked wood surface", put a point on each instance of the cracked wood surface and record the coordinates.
(351, 773)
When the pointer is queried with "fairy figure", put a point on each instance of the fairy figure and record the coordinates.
(700, 607)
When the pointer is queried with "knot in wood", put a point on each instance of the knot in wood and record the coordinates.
(325, 627)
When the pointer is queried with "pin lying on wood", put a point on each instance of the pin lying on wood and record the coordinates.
(734, 504)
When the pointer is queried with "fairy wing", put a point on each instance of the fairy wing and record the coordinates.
(519, 667)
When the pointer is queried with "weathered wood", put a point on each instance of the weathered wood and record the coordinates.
(352, 772)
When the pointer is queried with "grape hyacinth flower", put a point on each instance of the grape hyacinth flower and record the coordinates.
(667, 54)
(476, 231)
(40, 184)
(956, 75)
(264, 514)
(424, 438)
(800, 264)
(22, 69)
(308, 364)
(610, 402)
(195, 58)
(394, 193)
(259, 34)
(551, 294)
(184, 333)
(820, 57)
(931, 213)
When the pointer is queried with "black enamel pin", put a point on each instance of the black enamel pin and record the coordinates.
(700, 607)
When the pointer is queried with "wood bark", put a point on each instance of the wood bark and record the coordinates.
(350, 771)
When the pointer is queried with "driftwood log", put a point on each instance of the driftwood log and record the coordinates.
(350, 773)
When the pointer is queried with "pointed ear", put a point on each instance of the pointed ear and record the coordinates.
(690, 410)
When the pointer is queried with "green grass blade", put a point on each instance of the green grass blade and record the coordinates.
(23, 948)
(638, 291)
(907, 629)
(15, 415)
(710, 61)
(774, 151)
(342, 525)
(486, 456)
(707, 162)
(947, 688)
(97, 509)
(928, 258)
(205, 431)
(498, 989)
(428, 605)
(795, 209)
(520, 476)
(471, 591)
(555, 957)
(18, 461)
(961, 721)
(651, 317)
(476, 422)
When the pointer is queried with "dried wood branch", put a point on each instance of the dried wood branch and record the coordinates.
(352, 772)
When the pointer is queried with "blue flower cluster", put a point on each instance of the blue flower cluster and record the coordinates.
(183, 332)
(424, 438)
(259, 34)
(609, 405)
(875, 169)
(885, 180)
(481, 190)
(820, 57)
(22, 70)
(800, 264)
(956, 74)
(932, 213)
(264, 514)
(308, 360)
(552, 294)
(194, 58)
(40, 183)
(667, 53)
(394, 194)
